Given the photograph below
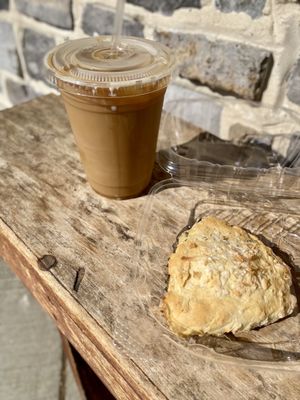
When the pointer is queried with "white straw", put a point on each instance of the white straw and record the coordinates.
(118, 25)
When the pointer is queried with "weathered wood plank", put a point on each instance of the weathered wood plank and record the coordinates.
(82, 330)
(46, 207)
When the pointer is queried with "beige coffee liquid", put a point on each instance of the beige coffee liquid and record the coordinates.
(116, 137)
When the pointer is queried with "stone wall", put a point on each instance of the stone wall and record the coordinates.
(242, 57)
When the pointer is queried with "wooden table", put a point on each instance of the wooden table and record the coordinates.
(75, 251)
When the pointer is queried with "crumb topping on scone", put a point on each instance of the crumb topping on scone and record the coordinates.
(224, 279)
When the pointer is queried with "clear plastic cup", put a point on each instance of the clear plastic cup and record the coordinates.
(114, 100)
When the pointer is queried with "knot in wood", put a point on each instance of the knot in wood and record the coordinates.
(47, 262)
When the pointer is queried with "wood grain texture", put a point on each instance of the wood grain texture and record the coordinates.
(47, 208)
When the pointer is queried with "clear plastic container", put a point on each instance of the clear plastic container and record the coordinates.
(253, 182)
(261, 162)
(113, 98)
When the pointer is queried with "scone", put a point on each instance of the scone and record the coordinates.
(224, 279)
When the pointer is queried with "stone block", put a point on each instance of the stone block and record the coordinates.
(9, 59)
(293, 89)
(254, 8)
(166, 6)
(18, 92)
(35, 46)
(3, 105)
(4, 4)
(230, 68)
(101, 21)
(196, 108)
(57, 13)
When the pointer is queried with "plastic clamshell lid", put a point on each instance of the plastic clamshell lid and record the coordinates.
(259, 161)
(252, 182)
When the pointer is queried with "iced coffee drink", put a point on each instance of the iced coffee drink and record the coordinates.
(113, 98)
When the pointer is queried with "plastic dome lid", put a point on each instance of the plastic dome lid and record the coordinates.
(89, 65)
